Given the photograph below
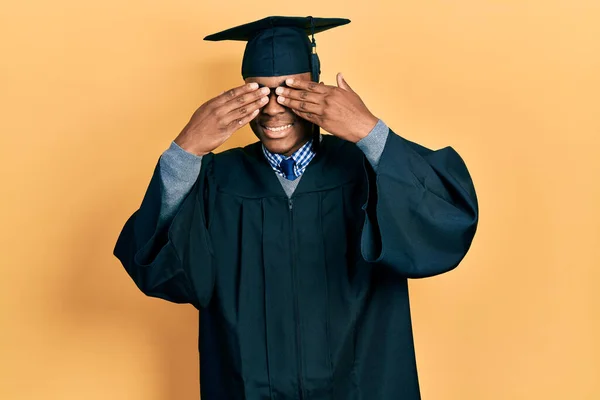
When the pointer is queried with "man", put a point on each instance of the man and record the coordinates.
(297, 249)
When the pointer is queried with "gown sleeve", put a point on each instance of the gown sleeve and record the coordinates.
(421, 211)
(165, 246)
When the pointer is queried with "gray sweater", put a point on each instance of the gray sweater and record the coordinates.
(179, 170)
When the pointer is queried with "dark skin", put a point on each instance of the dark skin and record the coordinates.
(283, 120)
(274, 115)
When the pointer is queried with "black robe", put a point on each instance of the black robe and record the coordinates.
(306, 298)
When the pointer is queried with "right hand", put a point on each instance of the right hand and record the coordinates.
(217, 119)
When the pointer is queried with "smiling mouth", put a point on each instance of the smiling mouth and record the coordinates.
(277, 128)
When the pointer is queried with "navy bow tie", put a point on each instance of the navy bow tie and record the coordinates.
(287, 167)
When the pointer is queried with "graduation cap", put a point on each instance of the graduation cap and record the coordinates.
(280, 46)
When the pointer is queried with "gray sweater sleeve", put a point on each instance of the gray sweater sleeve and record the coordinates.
(372, 144)
(178, 172)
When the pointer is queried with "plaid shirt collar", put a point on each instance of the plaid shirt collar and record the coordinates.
(302, 158)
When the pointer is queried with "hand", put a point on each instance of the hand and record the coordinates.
(338, 110)
(217, 119)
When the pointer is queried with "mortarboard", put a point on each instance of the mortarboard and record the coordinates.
(280, 45)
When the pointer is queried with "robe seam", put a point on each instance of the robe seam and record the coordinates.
(296, 193)
(327, 301)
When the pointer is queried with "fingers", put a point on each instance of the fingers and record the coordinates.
(308, 116)
(240, 96)
(300, 105)
(237, 104)
(235, 92)
(307, 85)
(245, 113)
(243, 121)
(301, 95)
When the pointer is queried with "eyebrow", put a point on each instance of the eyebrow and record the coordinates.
(260, 85)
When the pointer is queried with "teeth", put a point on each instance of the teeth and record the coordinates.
(278, 129)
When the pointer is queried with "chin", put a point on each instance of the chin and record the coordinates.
(278, 148)
(283, 142)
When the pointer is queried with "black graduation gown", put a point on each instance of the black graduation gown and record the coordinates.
(291, 308)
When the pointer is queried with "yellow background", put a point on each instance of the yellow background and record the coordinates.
(91, 93)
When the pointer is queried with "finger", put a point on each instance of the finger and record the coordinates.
(300, 105)
(302, 95)
(242, 101)
(342, 84)
(243, 121)
(239, 114)
(235, 93)
(307, 85)
(246, 98)
(307, 116)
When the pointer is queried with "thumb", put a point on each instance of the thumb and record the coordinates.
(342, 84)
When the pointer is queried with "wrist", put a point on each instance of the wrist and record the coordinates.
(187, 144)
(365, 127)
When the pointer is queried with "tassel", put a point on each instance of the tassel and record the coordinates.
(314, 58)
(315, 65)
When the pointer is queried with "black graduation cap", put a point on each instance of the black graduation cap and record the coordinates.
(280, 45)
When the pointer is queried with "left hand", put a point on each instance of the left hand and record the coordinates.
(338, 110)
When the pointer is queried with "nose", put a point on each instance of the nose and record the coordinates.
(273, 108)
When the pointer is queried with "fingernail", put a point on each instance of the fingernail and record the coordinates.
(265, 90)
(281, 99)
(289, 81)
(254, 85)
(279, 90)
(264, 99)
